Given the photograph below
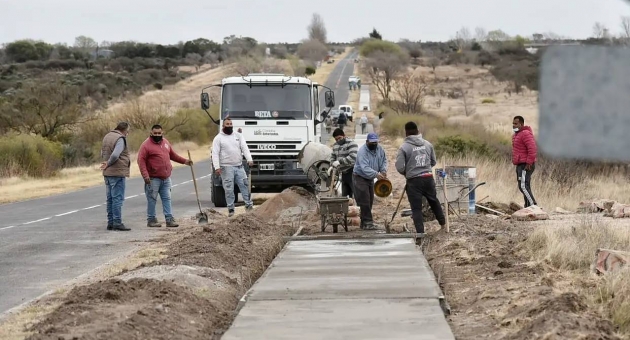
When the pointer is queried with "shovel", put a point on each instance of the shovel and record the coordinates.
(202, 217)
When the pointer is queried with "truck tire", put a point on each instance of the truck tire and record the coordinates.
(218, 196)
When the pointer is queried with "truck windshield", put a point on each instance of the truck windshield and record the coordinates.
(292, 102)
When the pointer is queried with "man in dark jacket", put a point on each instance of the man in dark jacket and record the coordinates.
(154, 160)
(415, 159)
(524, 157)
(115, 165)
(343, 157)
(342, 120)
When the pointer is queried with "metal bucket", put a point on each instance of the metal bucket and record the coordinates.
(459, 180)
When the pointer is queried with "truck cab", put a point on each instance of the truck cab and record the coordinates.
(277, 115)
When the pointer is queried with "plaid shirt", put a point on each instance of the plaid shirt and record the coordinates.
(345, 153)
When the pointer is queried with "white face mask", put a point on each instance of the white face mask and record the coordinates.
(515, 129)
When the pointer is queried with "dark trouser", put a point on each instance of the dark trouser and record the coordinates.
(524, 178)
(416, 188)
(347, 187)
(364, 196)
(363, 127)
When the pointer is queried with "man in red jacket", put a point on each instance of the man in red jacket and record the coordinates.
(154, 159)
(524, 157)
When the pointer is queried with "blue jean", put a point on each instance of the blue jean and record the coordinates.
(157, 187)
(231, 174)
(115, 192)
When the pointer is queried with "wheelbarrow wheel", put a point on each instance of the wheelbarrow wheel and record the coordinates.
(335, 228)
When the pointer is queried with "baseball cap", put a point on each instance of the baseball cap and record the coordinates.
(372, 137)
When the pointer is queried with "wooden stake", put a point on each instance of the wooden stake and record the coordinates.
(445, 200)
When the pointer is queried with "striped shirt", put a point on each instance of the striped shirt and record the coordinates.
(345, 153)
(370, 163)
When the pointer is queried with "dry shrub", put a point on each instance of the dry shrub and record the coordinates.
(29, 155)
(614, 293)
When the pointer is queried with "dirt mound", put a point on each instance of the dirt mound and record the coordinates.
(244, 241)
(286, 205)
(561, 317)
(496, 292)
(136, 309)
(213, 267)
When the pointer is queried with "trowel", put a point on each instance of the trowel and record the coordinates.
(202, 217)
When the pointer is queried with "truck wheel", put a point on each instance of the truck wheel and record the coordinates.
(218, 196)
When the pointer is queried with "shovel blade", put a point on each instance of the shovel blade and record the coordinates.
(202, 218)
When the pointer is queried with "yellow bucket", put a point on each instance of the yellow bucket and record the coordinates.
(383, 188)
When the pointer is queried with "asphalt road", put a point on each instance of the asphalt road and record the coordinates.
(338, 82)
(46, 242)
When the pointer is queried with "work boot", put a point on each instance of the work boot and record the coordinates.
(119, 227)
(153, 223)
(371, 226)
(231, 213)
(110, 226)
(249, 208)
(170, 223)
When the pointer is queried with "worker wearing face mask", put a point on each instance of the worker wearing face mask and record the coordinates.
(228, 149)
(371, 163)
(343, 158)
(524, 157)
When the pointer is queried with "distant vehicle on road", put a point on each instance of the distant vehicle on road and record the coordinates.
(347, 109)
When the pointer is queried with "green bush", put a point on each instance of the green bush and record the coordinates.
(29, 155)
(488, 101)
(199, 128)
(462, 145)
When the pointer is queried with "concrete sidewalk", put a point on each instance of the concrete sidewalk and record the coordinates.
(344, 289)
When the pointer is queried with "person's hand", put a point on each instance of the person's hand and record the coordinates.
(147, 181)
(103, 165)
(240, 130)
(189, 162)
(218, 172)
(335, 164)
(528, 167)
(250, 164)
(380, 176)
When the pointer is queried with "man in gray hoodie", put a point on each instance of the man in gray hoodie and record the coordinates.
(415, 159)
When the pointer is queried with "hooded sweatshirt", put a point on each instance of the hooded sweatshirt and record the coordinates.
(524, 146)
(415, 157)
(228, 150)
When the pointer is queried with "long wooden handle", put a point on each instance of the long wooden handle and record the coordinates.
(192, 170)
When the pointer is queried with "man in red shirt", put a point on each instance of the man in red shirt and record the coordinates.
(154, 159)
(524, 157)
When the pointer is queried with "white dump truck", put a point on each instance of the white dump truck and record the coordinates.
(278, 115)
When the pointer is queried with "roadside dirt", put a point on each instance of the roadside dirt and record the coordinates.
(192, 293)
(496, 293)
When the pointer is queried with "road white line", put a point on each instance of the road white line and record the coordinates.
(41, 219)
(92, 207)
(128, 197)
(66, 213)
(9, 227)
(186, 182)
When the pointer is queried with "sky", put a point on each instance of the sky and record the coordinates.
(171, 21)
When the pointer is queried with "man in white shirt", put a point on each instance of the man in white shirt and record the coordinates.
(228, 149)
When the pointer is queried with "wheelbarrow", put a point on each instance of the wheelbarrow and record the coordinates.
(334, 211)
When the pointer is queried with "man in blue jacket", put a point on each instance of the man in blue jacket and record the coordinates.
(371, 163)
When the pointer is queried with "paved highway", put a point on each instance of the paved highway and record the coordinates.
(338, 82)
(48, 241)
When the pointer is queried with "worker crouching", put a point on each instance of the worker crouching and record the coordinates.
(371, 163)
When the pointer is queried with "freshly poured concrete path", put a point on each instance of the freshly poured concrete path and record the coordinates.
(344, 289)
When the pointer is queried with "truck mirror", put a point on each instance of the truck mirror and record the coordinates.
(330, 99)
(205, 101)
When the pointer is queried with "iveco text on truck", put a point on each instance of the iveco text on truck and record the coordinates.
(278, 115)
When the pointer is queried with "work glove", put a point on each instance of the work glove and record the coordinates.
(335, 164)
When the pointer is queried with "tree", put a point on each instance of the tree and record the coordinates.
(317, 29)
(600, 31)
(467, 101)
(383, 67)
(21, 51)
(44, 108)
(480, 34)
(85, 44)
(463, 38)
(375, 34)
(410, 91)
(375, 45)
(312, 50)
(537, 36)
(625, 29)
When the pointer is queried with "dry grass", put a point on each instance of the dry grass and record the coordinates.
(19, 188)
(15, 327)
(570, 249)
